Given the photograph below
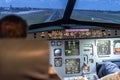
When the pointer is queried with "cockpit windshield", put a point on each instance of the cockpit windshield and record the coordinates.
(34, 11)
(105, 11)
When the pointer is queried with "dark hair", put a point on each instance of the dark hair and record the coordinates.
(13, 26)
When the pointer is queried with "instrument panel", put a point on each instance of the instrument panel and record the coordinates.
(75, 52)
(73, 58)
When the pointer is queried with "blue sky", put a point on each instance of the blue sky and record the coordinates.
(35, 3)
(113, 5)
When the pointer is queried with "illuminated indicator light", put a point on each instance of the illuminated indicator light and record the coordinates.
(69, 51)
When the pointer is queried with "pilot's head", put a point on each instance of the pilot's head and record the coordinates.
(13, 26)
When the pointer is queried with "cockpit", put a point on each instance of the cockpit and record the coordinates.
(82, 34)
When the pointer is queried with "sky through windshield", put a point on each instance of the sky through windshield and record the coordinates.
(34, 11)
(105, 11)
(110, 5)
(35, 3)
(39, 11)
